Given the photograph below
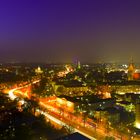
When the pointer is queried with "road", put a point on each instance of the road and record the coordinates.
(52, 118)
(62, 123)
(53, 113)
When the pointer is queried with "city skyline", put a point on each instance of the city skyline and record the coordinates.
(66, 31)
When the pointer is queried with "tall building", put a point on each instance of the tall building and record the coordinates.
(78, 65)
(131, 70)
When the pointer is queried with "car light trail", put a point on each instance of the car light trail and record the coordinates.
(63, 124)
(11, 94)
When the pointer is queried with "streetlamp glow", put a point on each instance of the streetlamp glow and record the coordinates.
(137, 125)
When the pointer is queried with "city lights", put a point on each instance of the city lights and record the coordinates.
(70, 70)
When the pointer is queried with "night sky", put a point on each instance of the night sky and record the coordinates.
(69, 30)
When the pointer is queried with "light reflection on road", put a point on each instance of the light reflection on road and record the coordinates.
(59, 122)
(62, 123)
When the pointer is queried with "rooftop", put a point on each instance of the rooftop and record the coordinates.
(74, 136)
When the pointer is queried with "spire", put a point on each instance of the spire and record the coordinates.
(78, 65)
(131, 60)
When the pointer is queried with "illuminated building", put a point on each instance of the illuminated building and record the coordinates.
(17, 71)
(135, 89)
(133, 74)
(66, 105)
(136, 75)
(137, 120)
(104, 91)
(131, 70)
(38, 70)
(68, 69)
(72, 88)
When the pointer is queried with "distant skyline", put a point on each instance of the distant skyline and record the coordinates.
(69, 30)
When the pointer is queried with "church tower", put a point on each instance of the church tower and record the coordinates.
(78, 65)
(131, 70)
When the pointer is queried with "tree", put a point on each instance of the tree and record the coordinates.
(68, 129)
(40, 87)
(31, 104)
(85, 116)
(60, 89)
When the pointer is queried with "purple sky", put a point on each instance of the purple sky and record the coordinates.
(65, 30)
